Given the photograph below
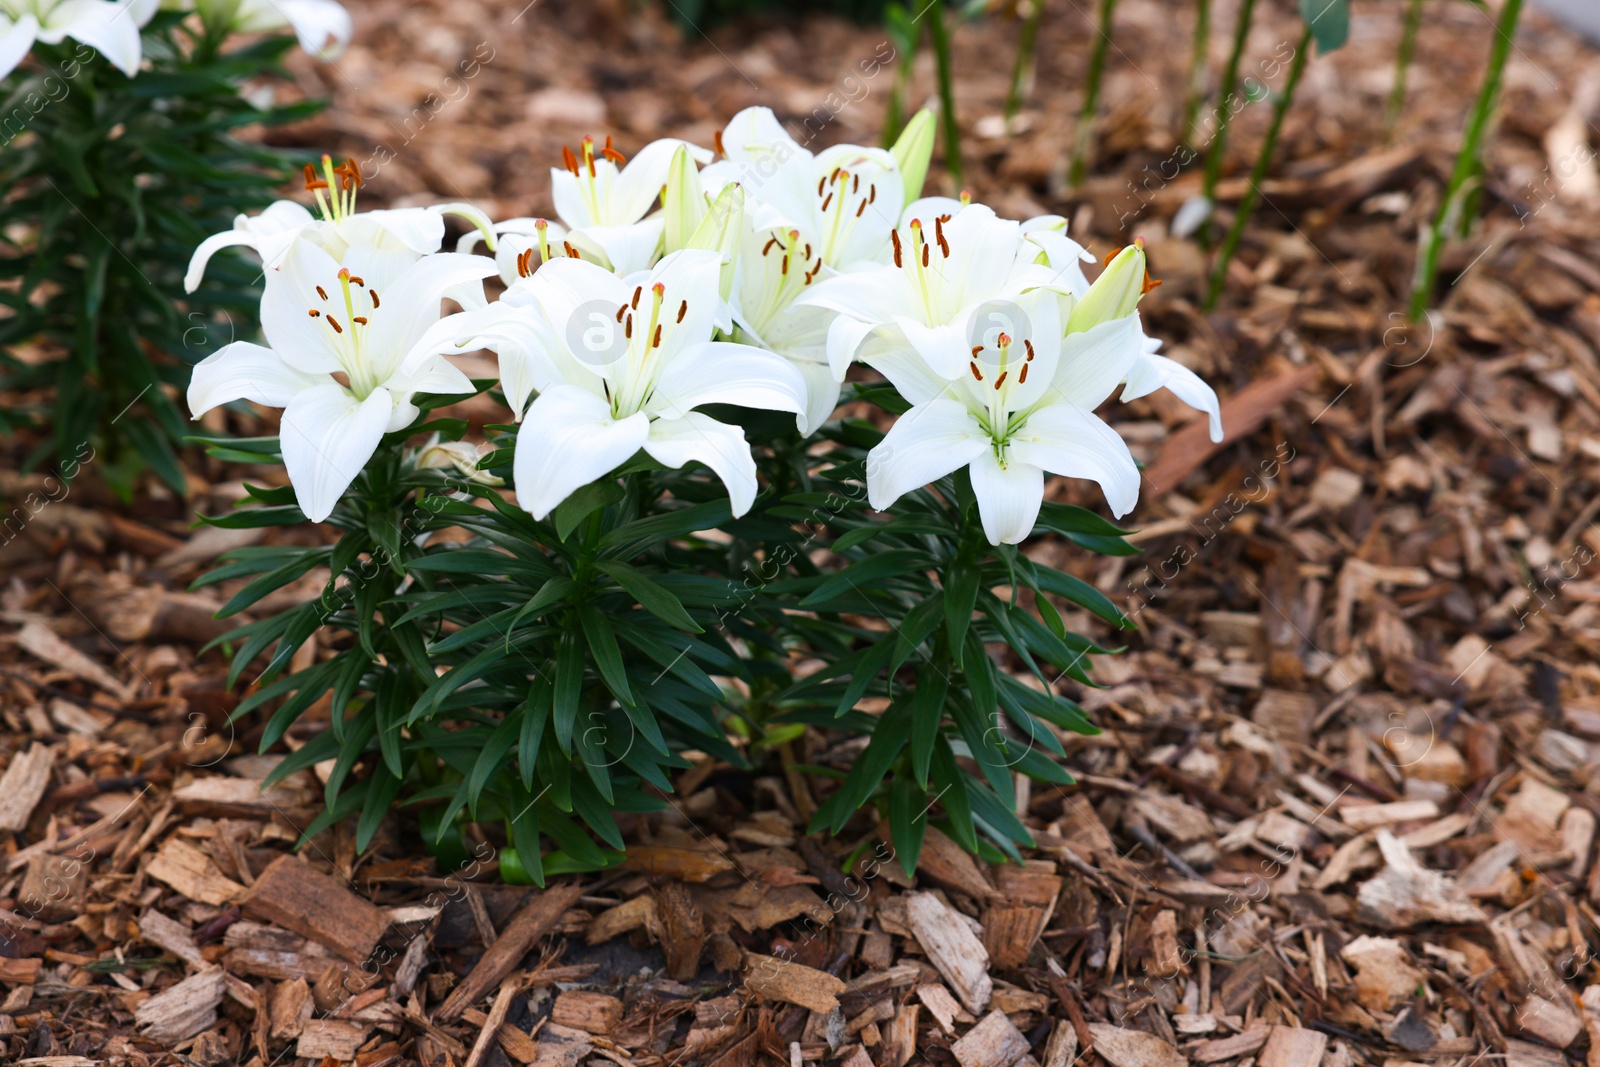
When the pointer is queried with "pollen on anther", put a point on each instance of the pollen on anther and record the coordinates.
(976, 373)
(314, 313)
(572, 253)
(827, 200)
(998, 382)
(1023, 377)
(872, 193)
(716, 141)
(627, 328)
(637, 292)
(655, 342)
(622, 309)
(357, 281)
(1026, 343)
(612, 154)
(322, 292)
(976, 349)
(374, 294)
(926, 249)
(768, 246)
(821, 182)
(335, 324)
(362, 319)
(895, 236)
(569, 161)
(862, 210)
(683, 309)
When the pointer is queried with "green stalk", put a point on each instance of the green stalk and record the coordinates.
(1466, 162)
(1025, 42)
(905, 35)
(1258, 173)
(1197, 68)
(1091, 94)
(1402, 63)
(940, 35)
(1230, 86)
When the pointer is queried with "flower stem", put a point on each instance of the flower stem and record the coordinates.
(940, 35)
(1258, 173)
(1197, 68)
(1402, 63)
(1230, 88)
(1091, 93)
(1466, 163)
(1019, 72)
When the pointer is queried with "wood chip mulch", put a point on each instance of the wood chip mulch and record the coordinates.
(1344, 808)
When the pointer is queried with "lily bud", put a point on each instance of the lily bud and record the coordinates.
(913, 150)
(683, 203)
(719, 231)
(1115, 294)
(458, 454)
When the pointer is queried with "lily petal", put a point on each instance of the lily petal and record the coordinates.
(16, 41)
(1095, 361)
(102, 25)
(822, 394)
(1009, 497)
(719, 446)
(1151, 372)
(945, 347)
(721, 372)
(924, 445)
(327, 436)
(1073, 442)
(845, 338)
(567, 441)
(245, 371)
(411, 304)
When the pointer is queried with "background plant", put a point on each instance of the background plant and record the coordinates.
(109, 187)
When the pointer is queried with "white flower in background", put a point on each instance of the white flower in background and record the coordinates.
(322, 26)
(945, 269)
(619, 364)
(112, 29)
(463, 456)
(345, 354)
(844, 200)
(603, 199)
(403, 235)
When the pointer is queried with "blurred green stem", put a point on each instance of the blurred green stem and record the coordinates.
(939, 33)
(1025, 42)
(1466, 163)
(1258, 173)
(1091, 93)
(1402, 63)
(1197, 68)
(1230, 87)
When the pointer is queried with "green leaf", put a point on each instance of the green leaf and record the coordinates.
(960, 596)
(654, 598)
(583, 503)
(607, 656)
(908, 821)
(1329, 21)
(927, 711)
(888, 739)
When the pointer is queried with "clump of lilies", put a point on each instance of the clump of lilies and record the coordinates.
(684, 281)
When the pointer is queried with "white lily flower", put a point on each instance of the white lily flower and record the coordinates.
(322, 26)
(1049, 232)
(619, 365)
(1024, 407)
(404, 235)
(946, 269)
(112, 29)
(844, 200)
(345, 354)
(604, 199)
(774, 268)
(517, 241)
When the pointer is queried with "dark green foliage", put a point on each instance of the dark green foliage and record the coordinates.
(545, 675)
(110, 183)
